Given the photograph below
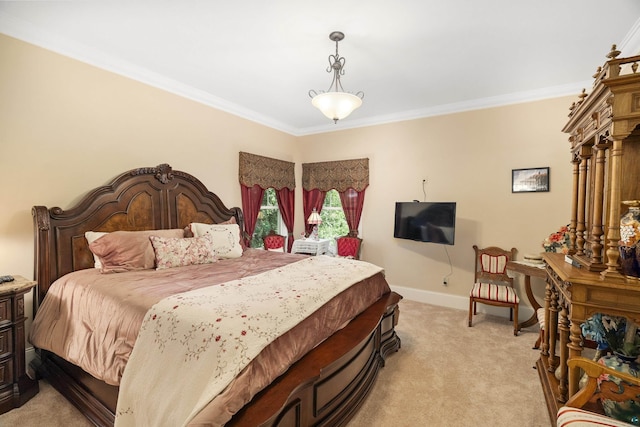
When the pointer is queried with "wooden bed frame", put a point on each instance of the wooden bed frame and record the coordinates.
(324, 388)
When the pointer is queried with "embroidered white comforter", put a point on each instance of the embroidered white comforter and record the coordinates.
(204, 338)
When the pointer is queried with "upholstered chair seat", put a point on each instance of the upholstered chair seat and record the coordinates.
(274, 242)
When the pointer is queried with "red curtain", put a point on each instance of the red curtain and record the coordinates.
(311, 199)
(286, 204)
(251, 203)
(352, 202)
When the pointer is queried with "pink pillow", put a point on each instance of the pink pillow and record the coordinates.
(178, 252)
(122, 251)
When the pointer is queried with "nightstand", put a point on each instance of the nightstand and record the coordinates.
(310, 246)
(16, 388)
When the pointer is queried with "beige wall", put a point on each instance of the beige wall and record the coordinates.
(466, 158)
(67, 127)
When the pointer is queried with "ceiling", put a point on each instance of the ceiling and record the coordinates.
(412, 58)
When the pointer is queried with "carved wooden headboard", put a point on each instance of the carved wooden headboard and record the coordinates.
(140, 199)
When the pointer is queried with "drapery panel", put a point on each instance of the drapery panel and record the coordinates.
(311, 199)
(251, 202)
(286, 204)
(339, 175)
(256, 174)
(352, 202)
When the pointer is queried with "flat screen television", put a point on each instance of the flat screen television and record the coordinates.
(433, 222)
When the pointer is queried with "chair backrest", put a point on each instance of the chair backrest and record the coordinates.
(347, 246)
(274, 242)
(491, 265)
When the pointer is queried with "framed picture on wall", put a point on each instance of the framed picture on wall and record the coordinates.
(529, 180)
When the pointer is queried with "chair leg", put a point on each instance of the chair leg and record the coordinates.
(536, 346)
(515, 320)
(472, 306)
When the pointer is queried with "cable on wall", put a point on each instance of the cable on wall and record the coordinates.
(424, 191)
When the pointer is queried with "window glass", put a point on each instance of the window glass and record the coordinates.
(334, 223)
(268, 218)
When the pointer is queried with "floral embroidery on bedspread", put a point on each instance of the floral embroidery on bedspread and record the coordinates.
(191, 345)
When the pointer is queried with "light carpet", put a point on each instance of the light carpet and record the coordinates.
(445, 374)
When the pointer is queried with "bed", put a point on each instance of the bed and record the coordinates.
(324, 386)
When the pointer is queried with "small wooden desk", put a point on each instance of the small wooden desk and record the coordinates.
(529, 269)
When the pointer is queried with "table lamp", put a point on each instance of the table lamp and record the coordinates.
(314, 219)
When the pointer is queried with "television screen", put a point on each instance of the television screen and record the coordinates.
(433, 222)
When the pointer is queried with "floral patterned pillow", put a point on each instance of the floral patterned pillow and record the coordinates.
(178, 252)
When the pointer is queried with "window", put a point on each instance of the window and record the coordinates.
(268, 218)
(334, 223)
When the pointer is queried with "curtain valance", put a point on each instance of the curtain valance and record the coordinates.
(339, 175)
(266, 172)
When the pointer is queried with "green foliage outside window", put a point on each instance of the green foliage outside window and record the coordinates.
(334, 223)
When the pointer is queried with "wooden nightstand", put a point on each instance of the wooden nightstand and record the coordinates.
(16, 387)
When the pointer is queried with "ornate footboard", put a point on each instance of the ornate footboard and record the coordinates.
(326, 387)
(330, 383)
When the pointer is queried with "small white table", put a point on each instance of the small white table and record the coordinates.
(310, 246)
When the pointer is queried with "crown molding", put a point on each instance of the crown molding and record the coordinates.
(29, 33)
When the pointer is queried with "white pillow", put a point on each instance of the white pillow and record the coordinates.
(225, 238)
(91, 236)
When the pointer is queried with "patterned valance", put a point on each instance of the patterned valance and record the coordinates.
(266, 172)
(339, 175)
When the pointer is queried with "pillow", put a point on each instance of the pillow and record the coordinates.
(122, 251)
(178, 252)
(91, 236)
(225, 238)
(188, 233)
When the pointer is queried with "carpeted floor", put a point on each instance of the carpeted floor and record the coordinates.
(445, 374)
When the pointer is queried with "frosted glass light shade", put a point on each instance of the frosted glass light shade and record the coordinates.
(336, 105)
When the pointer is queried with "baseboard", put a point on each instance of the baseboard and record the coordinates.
(30, 355)
(458, 302)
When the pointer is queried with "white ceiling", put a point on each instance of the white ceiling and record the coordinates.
(412, 58)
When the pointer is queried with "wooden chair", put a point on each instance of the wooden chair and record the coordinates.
(348, 247)
(274, 242)
(492, 285)
(585, 407)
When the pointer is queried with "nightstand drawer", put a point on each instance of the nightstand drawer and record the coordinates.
(5, 310)
(6, 343)
(6, 372)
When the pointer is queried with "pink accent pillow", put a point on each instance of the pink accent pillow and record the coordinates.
(178, 252)
(122, 251)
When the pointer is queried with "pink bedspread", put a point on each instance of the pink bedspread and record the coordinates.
(92, 320)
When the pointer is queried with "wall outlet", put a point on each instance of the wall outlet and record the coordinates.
(445, 281)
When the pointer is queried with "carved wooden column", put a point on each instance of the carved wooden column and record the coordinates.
(613, 233)
(575, 162)
(563, 327)
(575, 350)
(544, 348)
(585, 156)
(552, 324)
(595, 235)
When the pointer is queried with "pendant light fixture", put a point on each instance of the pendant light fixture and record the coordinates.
(335, 103)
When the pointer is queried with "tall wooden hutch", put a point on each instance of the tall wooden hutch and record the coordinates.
(604, 135)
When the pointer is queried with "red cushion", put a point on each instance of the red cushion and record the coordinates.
(273, 242)
(348, 246)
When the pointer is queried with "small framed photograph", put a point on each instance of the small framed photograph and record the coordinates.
(529, 180)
